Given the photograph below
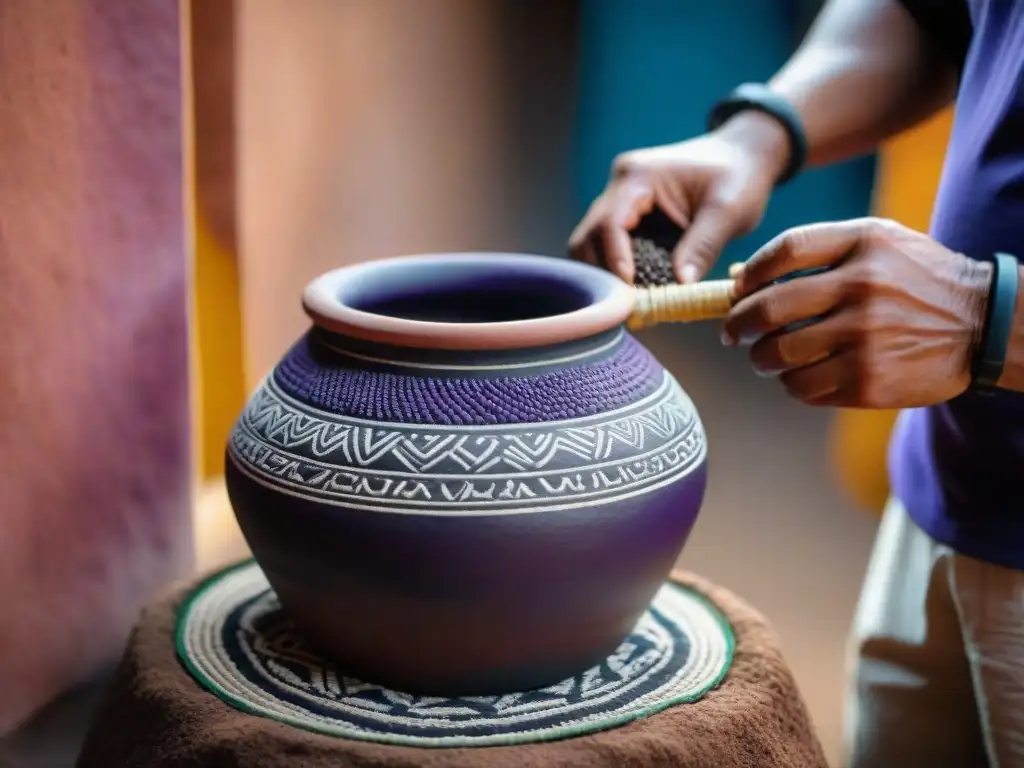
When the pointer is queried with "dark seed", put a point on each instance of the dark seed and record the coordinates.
(653, 264)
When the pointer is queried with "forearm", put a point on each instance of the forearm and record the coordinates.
(865, 72)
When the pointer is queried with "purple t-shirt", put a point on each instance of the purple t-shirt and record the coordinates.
(959, 467)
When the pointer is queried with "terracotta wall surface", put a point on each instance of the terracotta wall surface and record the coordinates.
(372, 129)
(367, 129)
(94, 362)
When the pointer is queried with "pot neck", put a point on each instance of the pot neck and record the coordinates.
(527, 361)
(479, 302)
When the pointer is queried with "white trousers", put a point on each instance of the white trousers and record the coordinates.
(937, 657)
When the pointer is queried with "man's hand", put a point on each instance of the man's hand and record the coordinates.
(716, 187)
(898, 316)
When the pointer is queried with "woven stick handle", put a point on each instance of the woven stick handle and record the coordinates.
(708, 300)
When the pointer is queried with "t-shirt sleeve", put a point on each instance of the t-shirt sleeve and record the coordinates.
(947, 23)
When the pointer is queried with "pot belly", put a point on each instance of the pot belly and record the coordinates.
(526, 563)
(466, 604)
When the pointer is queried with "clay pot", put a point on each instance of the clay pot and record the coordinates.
(467, 478)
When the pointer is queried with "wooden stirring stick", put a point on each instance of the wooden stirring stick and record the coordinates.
(707, 300)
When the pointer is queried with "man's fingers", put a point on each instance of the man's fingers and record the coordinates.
(627, 203)
(822, 383)
(810, 247)
(771, 309)
(616, 250)
(581, 244)
(803, 346)
(603, 235)
(712, 229)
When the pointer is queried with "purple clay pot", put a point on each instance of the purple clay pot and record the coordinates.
(467, 478)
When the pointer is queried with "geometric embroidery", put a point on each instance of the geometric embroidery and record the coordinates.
(235, 640)
(430, 469)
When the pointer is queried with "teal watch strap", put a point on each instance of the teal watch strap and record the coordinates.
(995, 339)
(758, 97)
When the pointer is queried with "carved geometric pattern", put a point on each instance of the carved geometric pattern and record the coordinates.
(430, 469)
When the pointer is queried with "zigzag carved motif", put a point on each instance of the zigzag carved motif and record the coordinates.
(425, 449)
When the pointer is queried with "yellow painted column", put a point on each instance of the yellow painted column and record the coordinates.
(910, 166)
(218, 345)
(218, 356)
(217, 305)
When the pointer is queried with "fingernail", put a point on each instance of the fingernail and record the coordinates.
(727, 340)
(690, 273)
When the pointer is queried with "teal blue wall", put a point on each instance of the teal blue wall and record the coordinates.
(650, 70)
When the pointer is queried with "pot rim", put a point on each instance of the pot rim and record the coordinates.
(611, 303)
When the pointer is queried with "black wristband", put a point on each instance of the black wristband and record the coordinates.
(762, 99)
(990, 358)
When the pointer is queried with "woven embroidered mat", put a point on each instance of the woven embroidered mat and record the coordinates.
(237, 642)
(251, 679)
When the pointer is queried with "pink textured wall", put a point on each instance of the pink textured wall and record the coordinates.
(94, 446)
